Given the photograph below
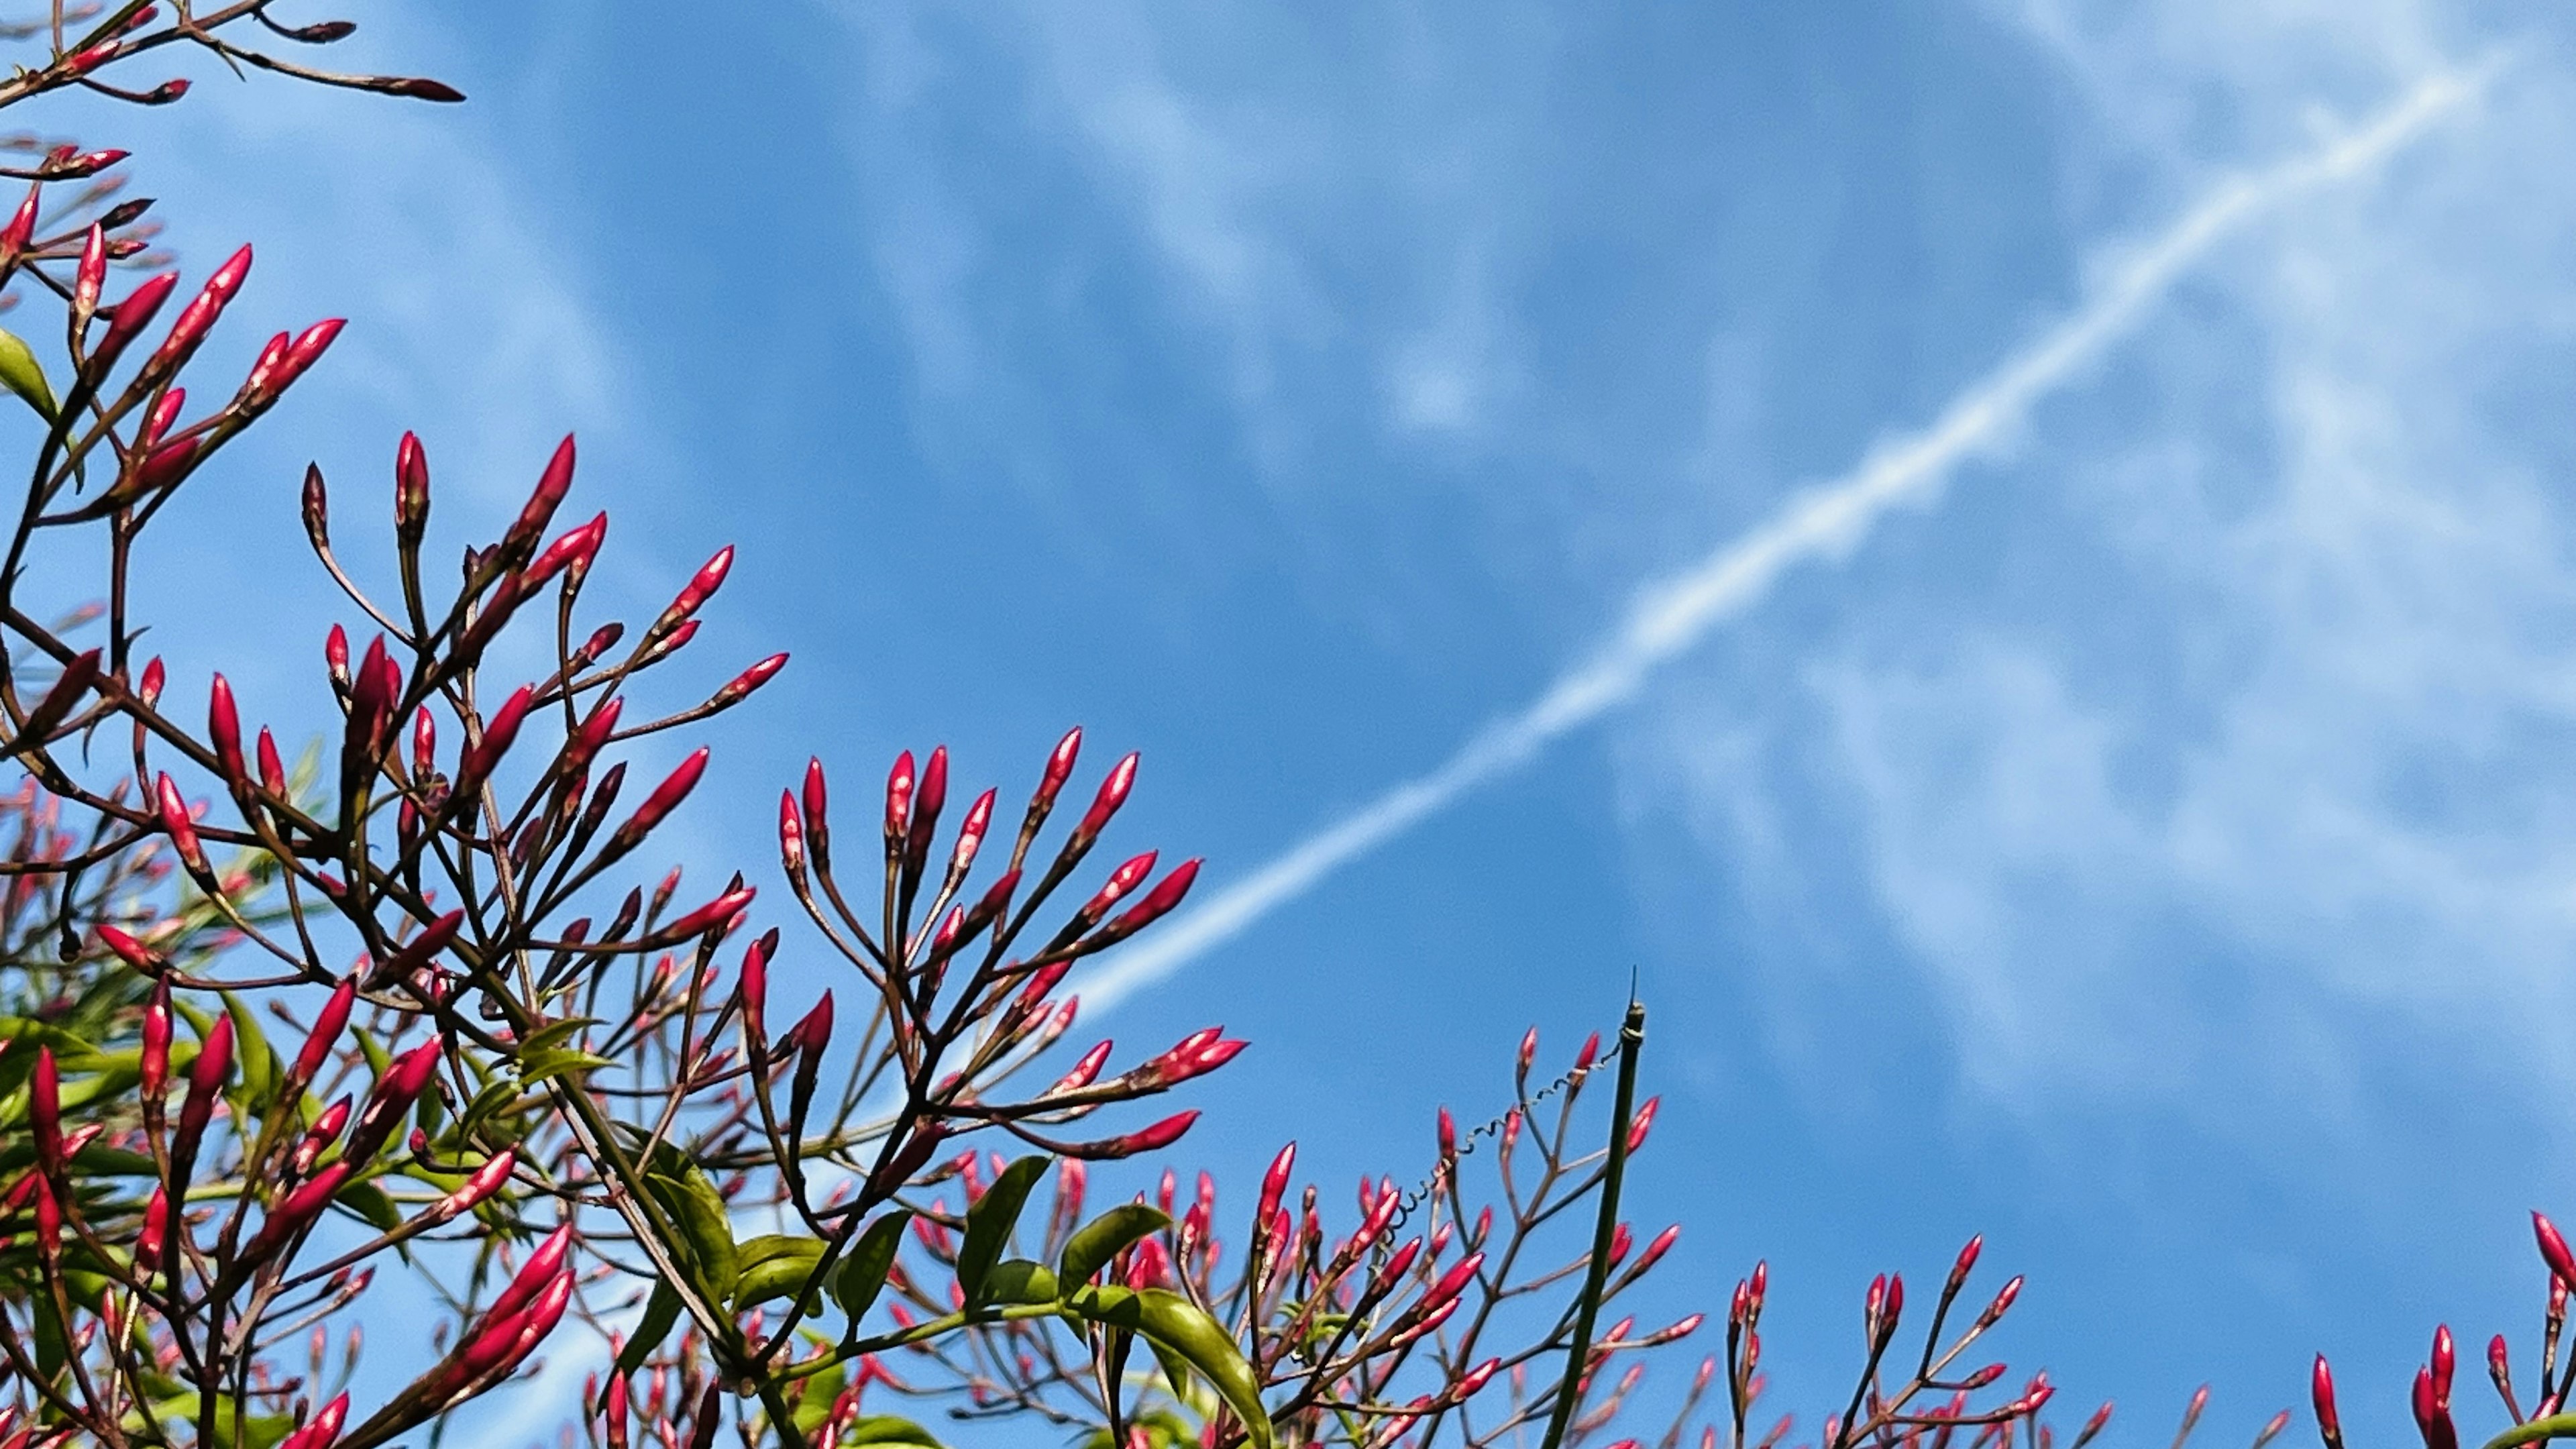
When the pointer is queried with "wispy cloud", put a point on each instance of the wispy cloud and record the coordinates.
(1821, 523)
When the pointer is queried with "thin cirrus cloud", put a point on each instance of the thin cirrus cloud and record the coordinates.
(2248, 794)
(1822, 523)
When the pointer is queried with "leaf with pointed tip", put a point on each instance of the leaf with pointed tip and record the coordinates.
(989, 1223)
(862, 1274)
(1096, 1242)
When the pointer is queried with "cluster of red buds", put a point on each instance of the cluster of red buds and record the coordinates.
(2544, 1416)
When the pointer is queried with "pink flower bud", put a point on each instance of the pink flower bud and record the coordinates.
(1591, 1053)
(927, 801)
(149, 689)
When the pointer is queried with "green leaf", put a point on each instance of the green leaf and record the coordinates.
(1101, 1239)
(370, 1201)
(251, 1053)
(661, 1311)
(887, 1429)
(989, 1223)
(1173, 1323)
(536, 1066)
(862, 1275)
(555, 1034)
(23, 375)
(698, 1211)
(774, 1266)
(1017, 1280)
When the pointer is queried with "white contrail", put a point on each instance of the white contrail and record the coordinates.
(1822, 522)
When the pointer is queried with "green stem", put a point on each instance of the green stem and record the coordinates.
(1632, 1040)
(2556, 1426)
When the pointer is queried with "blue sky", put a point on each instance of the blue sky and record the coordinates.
(2155, 847)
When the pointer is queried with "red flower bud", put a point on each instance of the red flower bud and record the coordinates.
(1644, 1120)
(205, 1079)
(1120, 882)
(970, 836)
(411, 487)
(665, 798)
(1113, 793)
(91, 274)
(180, 827)
(1150, 1139)
(574, 550)
(791, 835)
(156, 1035)
(898, 807)
(2442, 1364)
(1661, 1244)
(709, 916)
(401, 1085)
(1453, 1282)
(293, 1215)
(149, 689)
(552, 485)
(927, 801)
(700, 587)
(199, 315)
(817, 829)
(2003, 1301)
(2553, 1250)
(1084, 1072)
(223, 731)
(131, 316)
(1591, 1053)
(486, 1180)
(62, 697)
(1059, 768)
(325, 1427)
(2321, 1393)
(272, 766)
(499, 733)
(14, 235)
(741, 685)
(45, 1111)
(1274, 1183)
(327, 1024)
